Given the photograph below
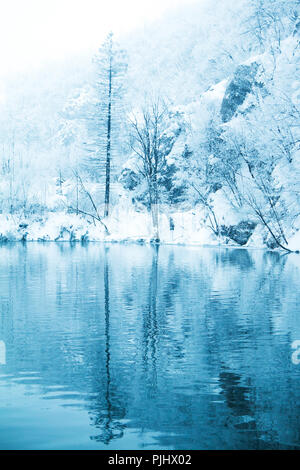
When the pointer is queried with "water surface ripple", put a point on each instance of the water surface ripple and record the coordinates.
(133, 347)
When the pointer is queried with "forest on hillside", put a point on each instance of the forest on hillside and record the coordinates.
(185, 131)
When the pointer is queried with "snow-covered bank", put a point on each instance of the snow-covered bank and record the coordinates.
(189, 227)
(129, 226)
(204, 122)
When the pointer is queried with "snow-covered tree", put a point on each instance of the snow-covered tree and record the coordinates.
(104, 118)
(154, 131)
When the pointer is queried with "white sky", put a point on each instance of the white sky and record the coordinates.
(33, 32)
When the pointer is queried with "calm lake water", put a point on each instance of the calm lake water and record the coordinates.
(133, 347)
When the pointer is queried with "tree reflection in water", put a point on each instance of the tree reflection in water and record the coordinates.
(180, 347)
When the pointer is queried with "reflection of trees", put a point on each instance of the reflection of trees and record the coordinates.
(170, 345)
(236, 395)
(237, 257)
(240, 400)
(150, 329)
(109, 412)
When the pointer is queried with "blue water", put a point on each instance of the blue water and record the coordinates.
(136, 347)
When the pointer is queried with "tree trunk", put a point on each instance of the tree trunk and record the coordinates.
(108, 146)
(154, 210)
(77, 196)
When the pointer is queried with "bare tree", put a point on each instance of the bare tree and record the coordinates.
(204, 200)
(263, 199)
(271, 20)
(149, 142)
(95, 214)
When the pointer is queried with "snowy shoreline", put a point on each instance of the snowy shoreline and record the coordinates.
(129, 227)
(146, 243)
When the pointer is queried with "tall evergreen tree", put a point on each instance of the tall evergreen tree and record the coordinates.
(106, 120)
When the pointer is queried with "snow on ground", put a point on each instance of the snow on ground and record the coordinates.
(294, 242)
(122, 226)
(190, 227)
